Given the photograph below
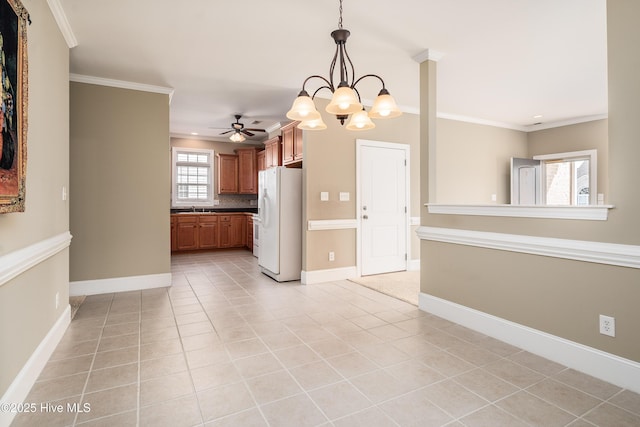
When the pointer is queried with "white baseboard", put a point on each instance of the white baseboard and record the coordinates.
(21, 385)
(605, 366)
(119, 284)
(321, 276)
(413, 265)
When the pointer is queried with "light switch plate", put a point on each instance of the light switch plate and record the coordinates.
(344, 196)
(324, 196)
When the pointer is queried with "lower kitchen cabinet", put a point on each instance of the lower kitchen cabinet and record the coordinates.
(174, 234)
(187, 233)
(208, 231)
(233, 231)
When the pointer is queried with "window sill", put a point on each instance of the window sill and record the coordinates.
(591, 213)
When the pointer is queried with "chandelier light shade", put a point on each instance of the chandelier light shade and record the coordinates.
(360, 121)
(237, 137)
(303, 108)
(384, 107)
(314, 124)
(346, 99)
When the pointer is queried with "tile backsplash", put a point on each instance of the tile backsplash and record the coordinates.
(237, 201)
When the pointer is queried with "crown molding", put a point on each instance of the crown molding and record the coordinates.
(567, 122)
(63, 23)
(80, 78)
(428, 55)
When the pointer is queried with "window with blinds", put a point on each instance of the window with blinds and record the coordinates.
(192, 177)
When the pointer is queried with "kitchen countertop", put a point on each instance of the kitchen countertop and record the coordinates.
(215, 210)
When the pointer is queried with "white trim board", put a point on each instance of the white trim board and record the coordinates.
(100, 81)
(329, 275)
(22, 383)
(331, 224)
(63, 23)
(579, 250)
(593, 213)
(119, 284)
(605, 366)
(17, 262)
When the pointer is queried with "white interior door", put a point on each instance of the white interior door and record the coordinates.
(383, 209)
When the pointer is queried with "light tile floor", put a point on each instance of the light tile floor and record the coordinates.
(227, 346)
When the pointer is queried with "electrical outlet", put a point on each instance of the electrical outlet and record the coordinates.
(607, 325)
(332, 256)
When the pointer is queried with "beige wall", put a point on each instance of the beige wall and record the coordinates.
(559, 296)
(582, 136)
(27, 303)
(120, 175)
(473, 162)
(330, 165)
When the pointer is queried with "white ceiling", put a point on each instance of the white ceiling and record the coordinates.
(505, 61)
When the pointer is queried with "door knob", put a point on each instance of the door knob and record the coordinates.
(364, 208)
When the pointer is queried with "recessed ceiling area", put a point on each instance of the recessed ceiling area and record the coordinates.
(503, 61)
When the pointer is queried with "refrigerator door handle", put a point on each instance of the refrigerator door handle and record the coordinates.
(264, 215)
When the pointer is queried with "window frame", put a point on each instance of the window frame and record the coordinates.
(198, 203)
(591, 155)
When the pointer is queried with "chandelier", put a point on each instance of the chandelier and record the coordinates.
(346, 100)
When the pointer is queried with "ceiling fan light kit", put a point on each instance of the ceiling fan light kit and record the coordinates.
(239, 131)
(346, 98)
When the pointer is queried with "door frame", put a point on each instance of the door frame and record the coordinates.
(407, 152)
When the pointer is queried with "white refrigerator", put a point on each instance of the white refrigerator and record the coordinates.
(280, 212)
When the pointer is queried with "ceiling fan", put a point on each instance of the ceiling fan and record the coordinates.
(238, 130)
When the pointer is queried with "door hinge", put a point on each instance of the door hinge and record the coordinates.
(405, 162)
(405, 257)
(405, 209)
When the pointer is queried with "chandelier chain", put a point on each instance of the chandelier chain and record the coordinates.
(340, 20)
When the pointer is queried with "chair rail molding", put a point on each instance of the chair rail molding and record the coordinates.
(579, 250)
(17, 262)
(591, 212)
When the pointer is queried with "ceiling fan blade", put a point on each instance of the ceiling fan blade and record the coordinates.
(224, 133)
(255, 129)
(246, 132)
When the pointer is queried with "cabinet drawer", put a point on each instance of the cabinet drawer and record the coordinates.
(208, 219)
(224, 218)
(187, 219)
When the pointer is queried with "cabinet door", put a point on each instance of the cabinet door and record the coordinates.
(260, 157)
(227, 173)
(208, 231)
(288, 145)
(247, 171)
(249, 243)
(224, 237)
(174, 234)
(187, 234)
(237, 231)
(297, 144)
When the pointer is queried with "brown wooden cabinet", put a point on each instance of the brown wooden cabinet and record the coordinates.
(187, 233)
(174, 233)
(233, 231)
(207, 231)
(260, 160)
(249, 243)
(273, 152)
(247, 171)
(227, 173)
(291, 144)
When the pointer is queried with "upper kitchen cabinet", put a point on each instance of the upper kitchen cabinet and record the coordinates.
(247, 171)
(291, 145)
(260, 157)
(273, 152)
(227, 173)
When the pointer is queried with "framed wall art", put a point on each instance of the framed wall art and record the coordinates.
(13, 105)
